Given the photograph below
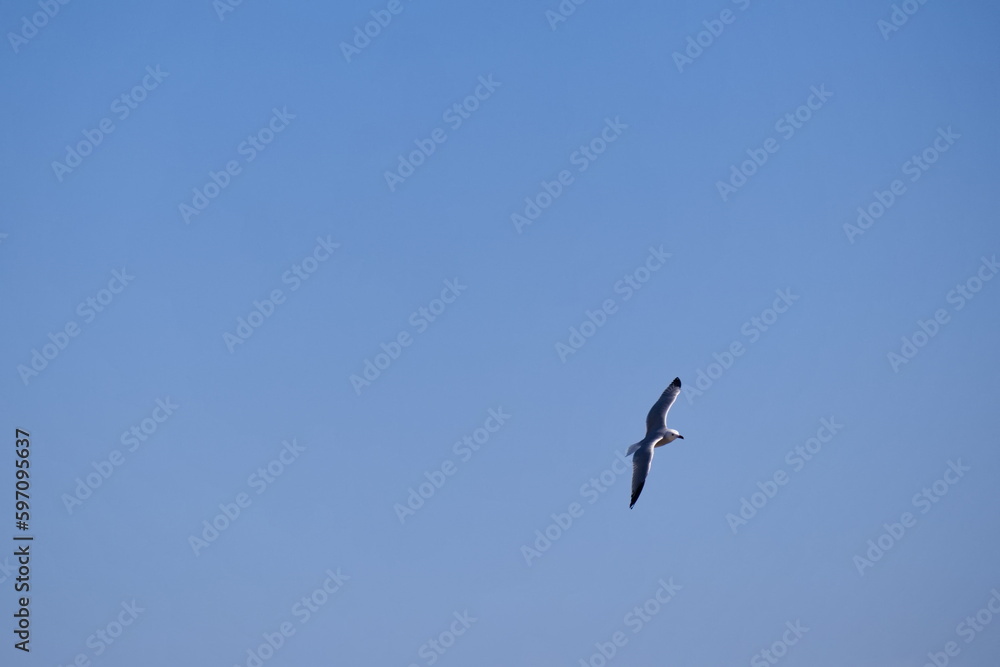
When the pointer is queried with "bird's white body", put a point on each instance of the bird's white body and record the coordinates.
(659, 439)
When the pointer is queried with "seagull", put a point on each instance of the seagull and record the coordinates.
(657, 435)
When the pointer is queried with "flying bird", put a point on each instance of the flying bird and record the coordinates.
(657, 435)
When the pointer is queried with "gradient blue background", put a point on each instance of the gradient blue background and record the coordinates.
(494, 347)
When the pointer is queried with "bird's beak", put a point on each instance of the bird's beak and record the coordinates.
(681, 437)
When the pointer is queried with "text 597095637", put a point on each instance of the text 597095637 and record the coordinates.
(22, 543)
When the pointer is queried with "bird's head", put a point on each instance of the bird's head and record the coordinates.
(672, 435)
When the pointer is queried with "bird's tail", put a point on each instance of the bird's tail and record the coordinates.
(632, 449)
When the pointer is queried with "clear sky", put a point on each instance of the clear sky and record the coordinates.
(329, 344)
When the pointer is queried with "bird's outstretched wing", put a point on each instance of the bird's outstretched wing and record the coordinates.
(657, 417)
(642, 460)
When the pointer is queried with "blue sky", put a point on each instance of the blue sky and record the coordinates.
(522, 229)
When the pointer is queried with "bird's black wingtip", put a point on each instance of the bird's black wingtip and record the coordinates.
(635, 495)
(677, 382)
